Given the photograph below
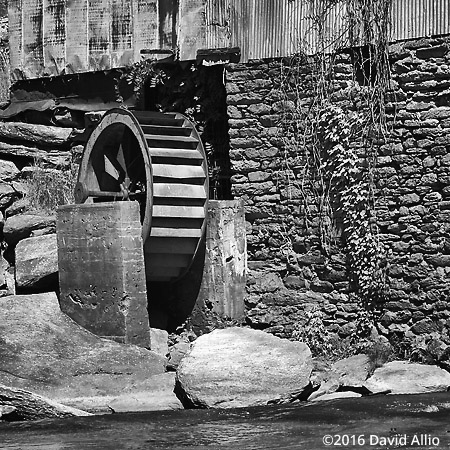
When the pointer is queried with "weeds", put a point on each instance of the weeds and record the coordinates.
(50, 188)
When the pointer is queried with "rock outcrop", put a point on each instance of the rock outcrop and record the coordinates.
(18, 404)
(42, 350)
(402, 377)
(237, 367)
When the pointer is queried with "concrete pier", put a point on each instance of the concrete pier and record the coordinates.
(102, 270)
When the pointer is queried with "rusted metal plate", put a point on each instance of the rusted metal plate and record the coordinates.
(275, 28)
(168, 24)
(218, 23)
(54, 36)
(420, 18)
(15, 36)
(99, 19)
(77, 37)
(50, 37)
(192, 28)
(121, 33)
(32, 38)
(145, 26)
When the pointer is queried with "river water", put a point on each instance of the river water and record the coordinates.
(379, 422)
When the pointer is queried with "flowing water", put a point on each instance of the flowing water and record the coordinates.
(379, 422)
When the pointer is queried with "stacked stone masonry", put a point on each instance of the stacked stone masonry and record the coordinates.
(287, 273)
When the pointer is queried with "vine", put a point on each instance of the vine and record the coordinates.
(142, 72)
(336, 149)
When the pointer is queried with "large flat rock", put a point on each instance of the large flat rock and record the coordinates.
(236, 367)
(44, 351)
(401, 377)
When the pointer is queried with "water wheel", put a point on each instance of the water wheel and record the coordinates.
(158, 160)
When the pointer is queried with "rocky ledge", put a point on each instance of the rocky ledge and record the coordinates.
(44, 352)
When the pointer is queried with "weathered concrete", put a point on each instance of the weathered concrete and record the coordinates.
(236, 367)
(101, 270)
(224, 276)
(44, 351)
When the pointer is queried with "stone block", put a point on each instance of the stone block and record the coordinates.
(159, 341)
(37, 262)
(101, 270)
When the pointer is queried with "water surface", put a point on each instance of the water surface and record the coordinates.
(408, 421)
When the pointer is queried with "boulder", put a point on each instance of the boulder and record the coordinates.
(159, 341)
(7, 194)
(349, 373)
(37, 262)
(44, 351)
(237, 367)
(8, 170)
(21, 226)
(18, 404)
(352, 371)
(176, 353)
(402, 377)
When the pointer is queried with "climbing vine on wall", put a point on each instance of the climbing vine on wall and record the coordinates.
(337, 145)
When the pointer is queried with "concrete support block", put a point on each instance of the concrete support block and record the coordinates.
(102, 270)
(224, 277)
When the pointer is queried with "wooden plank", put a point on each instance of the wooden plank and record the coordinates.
(145, 26)
(99, 19)
(121, 33)
(168, 260)
(77, 36)
(168, 245)
(192, 28)
(193, 212)
(149, 118)
(168, 24)
(15, 31)
(177, 171)
(32, 29)
(175, 153)
(158, 140)
(176, 232)
(179, 191)
(54, 36)
(166, 130)
(163, 273)
(178, 222)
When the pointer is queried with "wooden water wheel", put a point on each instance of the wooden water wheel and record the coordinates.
(157, 159)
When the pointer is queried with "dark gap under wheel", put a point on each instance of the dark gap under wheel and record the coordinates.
(158, 160)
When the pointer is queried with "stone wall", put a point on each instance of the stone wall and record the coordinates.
(287, 273)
